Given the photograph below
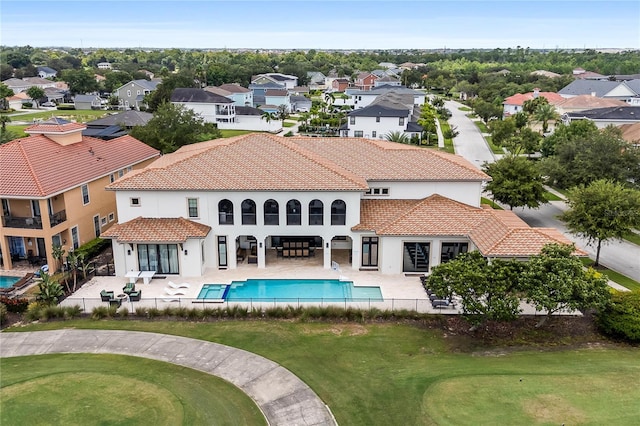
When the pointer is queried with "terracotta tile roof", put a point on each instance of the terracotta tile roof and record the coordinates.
(521, 98)
(589, 102)
(54, 127)
(631, 132)
(142, 229)
(496, 233)
(36, 166)
(256, 161)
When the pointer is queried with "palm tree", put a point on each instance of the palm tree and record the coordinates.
(399, 137)
(544, 113)
(57, 252)
(267, 116)
(3, 121)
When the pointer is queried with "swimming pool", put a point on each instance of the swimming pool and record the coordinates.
(6, 281)
(288, 290)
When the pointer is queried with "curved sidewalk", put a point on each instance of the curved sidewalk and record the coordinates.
(283, 397)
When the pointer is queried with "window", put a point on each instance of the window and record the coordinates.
(401, 121)
(222, 251)
(338, 212)
(376, 191)
(129, 169)
(358, 134)
(162, 258)
(352, 120)
(75, 239)
(103, 221)
(111, 217)
(96, 225)
(137, 92)
(134, 202)
(225, 212)
(377, 119)
(374, 134)
(316, 212)
(294, 212)
(120, 173)
(248, 212)
(128, 93)
(271, 212)
(112, 177)
(450, 251)
(416, 257)
(384, 191)
(369, 251)
(85, 194)
(192, 205)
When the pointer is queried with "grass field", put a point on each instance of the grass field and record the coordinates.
(232, 133)
(448, 142)
(403, 374)
(113, 389)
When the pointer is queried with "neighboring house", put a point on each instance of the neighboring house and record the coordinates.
(364, 98)
(104, 65)
(619, 90)
(365, 81)
(46, 72)
(22, 85)
(288, 81)
(16, 101)
(586, 102)
(250, 118)
(278, 98)
(241, 96)
(513, 104)
(317, 80)
(631, 133)
(582, 74)
(387, 81)
(54, 94)
(259, 91)
(339, 84)
(300, 104)
(52, 188)
(543, 73)
(87, 102)
(131, 95)
(299, 90)
(393, 208)
(387, 65)
(391, 112)
(213, 108)
(603, 117)
(116, 125)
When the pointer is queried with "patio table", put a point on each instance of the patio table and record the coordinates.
(133, 276)
(147, 276)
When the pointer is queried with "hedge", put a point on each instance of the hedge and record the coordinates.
(93, 248)
(621, 319)
(17, 306)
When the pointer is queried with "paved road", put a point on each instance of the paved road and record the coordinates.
(469, 143)
(283, 398)
(623, 256)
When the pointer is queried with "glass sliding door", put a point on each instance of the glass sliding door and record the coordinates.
(162, 258)
(222, 252)
(369, 251)
(415, 257)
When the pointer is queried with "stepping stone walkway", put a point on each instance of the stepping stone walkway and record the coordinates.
(283, 397)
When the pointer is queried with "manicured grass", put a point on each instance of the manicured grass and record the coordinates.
(489, 202)
(632, 237)
(18, 130)
(550, 196)
(232, 133)
(614, 276)
(483, 127)
(464, 109)
(288, 124)
(81, 116)
(448, 142)
(402, 374)
(113, 389)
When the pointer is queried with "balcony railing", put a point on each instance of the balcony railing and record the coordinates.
(22, 222)
(58, 218)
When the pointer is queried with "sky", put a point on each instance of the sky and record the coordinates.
(327, 24)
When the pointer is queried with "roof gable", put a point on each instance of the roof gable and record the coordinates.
(176, 230)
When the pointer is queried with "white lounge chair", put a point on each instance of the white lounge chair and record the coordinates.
(176, 286)
(172, 292)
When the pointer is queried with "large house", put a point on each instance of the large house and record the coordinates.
(627, 91)
(603, 117)
(52, 188)
(131, 95)
(514, 104)
(47, 72)
(365, 81)
(22, 85)
(116, 125)
(286, 80)
(259, 199)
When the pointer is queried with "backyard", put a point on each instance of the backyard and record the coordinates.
(418, 372)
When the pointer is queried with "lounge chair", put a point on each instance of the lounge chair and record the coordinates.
(115, 302)
(128, 288)
(172, 292)
(135, 296)
(106, 296)
(176, 286)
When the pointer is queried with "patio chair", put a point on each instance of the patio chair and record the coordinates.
(106, 296)
(172, 292)
(128, 288)
(115, 302)
(176, 286)
(135, 296)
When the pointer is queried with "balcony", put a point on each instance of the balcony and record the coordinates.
(22, 222)
(58, 218)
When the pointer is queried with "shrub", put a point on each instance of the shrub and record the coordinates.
(17, 306)
(27, 104)
(100, 312)
(123, 312)
(66, 107)
(621, 319)
(93, 248)
(3, 313)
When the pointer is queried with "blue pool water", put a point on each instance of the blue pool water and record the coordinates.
(289, 290)
(6, 282)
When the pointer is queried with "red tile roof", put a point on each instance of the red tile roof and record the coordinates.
(262, 162)
(520, 98)
(36, 166)
(146, 230)
(55, 128)
(496, 233)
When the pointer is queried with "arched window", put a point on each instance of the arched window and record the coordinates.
(225, 212)
(338, 212)
(316, 211)
(294, 212)
(271, 212)
(248, 212)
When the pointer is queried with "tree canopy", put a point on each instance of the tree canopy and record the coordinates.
(601, 211)
(173, 126)
(516, 182)
(80, 81)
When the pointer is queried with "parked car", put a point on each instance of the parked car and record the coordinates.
(49, 104)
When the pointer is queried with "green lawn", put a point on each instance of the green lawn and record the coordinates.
(18, 130)
(113, 389)
(81, 116)
(464, 109)
(232, 133)
(288, 124)
(614, 276)
(448, 142)
(550, 196)
(632, 237)
(489, 202)
(404, 374)
(483, 127)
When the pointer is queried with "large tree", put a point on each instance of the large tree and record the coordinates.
(80, 81)
(545, 113)
(162, 94)
(555, 280)
(173, 126)
(5, 92)
(601, 211)
(35, 93)
(516, 182)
